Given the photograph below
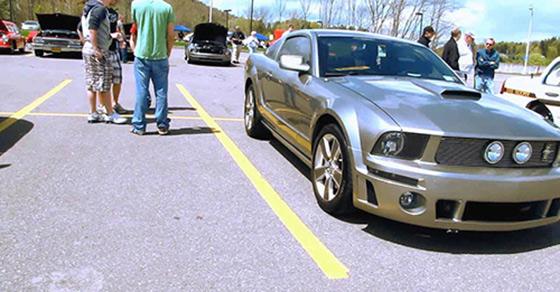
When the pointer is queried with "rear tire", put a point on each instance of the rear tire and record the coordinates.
(39, 53)
(252, 118)
(331, 172)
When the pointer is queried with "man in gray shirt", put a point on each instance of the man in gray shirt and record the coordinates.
(97, 36)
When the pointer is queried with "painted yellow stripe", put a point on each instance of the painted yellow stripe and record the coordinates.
(84, 115)
(30, 107)
(322, 256)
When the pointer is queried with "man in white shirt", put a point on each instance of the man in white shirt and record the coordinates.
(466, 54)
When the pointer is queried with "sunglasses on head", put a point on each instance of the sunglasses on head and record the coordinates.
(489, 44)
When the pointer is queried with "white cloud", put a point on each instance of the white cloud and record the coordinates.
(473, 13)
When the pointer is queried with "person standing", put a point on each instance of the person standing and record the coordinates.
(466, 55)
(115, 59)
(451, 51)
(153, 43)
(95, 52)
(487, 61)
(427, 36)
(237, 43)
(123, 51)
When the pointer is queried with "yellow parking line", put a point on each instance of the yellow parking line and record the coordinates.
(322, 256)
(84, 115)
(30, 107)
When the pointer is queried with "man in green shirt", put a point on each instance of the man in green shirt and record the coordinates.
(152, 46)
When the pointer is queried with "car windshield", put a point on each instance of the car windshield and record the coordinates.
(340, 56)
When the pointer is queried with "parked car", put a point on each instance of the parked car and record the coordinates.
(10, 37)
(30, 25)
(58, 34)
(387, 127)
(539, 94)
(208, 45)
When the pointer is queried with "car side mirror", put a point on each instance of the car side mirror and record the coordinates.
(294, 63)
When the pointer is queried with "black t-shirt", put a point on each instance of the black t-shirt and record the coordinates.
(113, 20)
(239, 36)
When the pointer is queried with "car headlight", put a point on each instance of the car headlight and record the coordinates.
(401, 145)
(522, 153)
(5, 38)
(494, 152)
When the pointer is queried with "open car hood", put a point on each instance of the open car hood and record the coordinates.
(58, 21)
(3, 26)
(210, 32)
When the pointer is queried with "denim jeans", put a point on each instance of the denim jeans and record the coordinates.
(124, 54)
(484, 84)
(157, 72)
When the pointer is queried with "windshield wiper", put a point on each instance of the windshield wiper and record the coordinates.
(340, 74)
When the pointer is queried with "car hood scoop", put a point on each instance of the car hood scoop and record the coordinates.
(448, 109)
(58, 21)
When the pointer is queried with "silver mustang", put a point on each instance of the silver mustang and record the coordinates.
(387, 127)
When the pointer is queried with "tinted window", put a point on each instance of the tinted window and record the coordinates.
(553, 78)
(368, 56)
(272, 50)
(300, 46)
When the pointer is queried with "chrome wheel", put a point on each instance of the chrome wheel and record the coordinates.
(328, 167)
(249, 110)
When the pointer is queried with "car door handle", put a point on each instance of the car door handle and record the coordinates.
(551, 94)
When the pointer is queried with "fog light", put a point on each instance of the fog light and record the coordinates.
(412, 202)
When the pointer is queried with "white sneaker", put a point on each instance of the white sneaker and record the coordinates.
(114, 119)
(94, 118)
(101, 109)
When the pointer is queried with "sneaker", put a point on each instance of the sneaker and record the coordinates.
(163, 131)
(137, 132)
(119, 109)
(94, 118)
(113, 119)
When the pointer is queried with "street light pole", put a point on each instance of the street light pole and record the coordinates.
(251, 22)
(528, 40)
(227, 11)
(211, 8)
(421, 21)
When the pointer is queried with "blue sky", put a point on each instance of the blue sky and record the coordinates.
(505, 20)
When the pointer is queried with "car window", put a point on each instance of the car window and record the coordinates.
(299, 45)
(553, 78)
(272, 50)
(370, 56)
(13, 28)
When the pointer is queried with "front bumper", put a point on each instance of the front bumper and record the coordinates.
(53, 48)
(206, 57)
(484, 199)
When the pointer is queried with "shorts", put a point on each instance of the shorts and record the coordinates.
(115, 61)
(98, 73)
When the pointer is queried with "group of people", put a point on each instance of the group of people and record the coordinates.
(152, 40)
(460, 54)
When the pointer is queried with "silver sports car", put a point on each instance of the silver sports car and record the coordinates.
(387, 127)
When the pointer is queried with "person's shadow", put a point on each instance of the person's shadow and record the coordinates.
(436, 239)
(13, 134)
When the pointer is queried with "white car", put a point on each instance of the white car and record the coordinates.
(540, 94)
(30, 25)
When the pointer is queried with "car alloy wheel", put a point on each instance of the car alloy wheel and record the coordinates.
(249, 110)
(331, 171)
(328, 167)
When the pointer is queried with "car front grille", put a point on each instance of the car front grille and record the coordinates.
(54, 42)
(504, 212)
(470, 152)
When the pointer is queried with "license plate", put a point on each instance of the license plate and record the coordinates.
(56, 50)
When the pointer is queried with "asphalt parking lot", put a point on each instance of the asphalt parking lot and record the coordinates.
(95, 208)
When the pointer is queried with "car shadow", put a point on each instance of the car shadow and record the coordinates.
(201, 64)
(12, 135)
(63, 56)
(187, 131)
(437, 240)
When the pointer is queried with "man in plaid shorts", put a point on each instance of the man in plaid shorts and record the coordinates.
(115, 60)
(99, 76)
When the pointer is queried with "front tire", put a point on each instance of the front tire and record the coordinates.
(39, 53)
(252, 118)
(331, 171)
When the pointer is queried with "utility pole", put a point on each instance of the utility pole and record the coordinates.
(527, 51)
(11, 11)
(227, 11)
(211, 8)
(251, 22)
